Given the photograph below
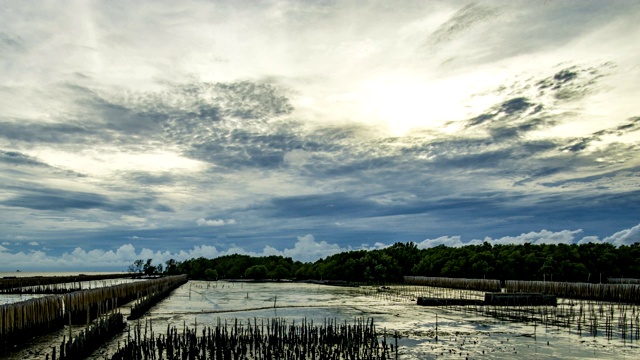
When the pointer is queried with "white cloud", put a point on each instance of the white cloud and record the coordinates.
(377, 246)
(451, 241)
(215, 222)
(308, 249)
(542, 237)
(590, 239)
(305, 249)
(79, 258)
(34, 243)
(625, 237)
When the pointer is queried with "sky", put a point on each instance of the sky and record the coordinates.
(180, 129)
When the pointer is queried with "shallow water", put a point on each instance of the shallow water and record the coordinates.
(460, 334)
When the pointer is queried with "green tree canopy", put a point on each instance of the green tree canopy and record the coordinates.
(256, 272)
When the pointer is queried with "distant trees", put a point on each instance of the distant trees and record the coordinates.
(136, 267)
(591, 262)
(256, 272)
(141, 267)
(211, 274)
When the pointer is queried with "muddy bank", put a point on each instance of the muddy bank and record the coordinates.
(459, 334)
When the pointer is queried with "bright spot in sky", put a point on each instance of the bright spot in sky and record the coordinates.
(405, 103)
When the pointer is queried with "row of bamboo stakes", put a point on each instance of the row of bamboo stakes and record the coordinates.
(154, 294)
(616, 292)
(624, 293)
(489, 285)
(583, 317)
(87, 341)
(63, 288)
(274, 340)
(24, 320)
(12, 284)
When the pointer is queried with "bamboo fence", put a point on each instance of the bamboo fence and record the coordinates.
(455, 283)
(623, 281)
(10, 285)
(624, 293)
(83, 305)
(154, 295)
(24, 320)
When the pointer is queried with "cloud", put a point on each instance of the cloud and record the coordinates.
(215, 222)
(450, 241)
(308, 249)
(541, 237)
(60, 200)
(16, 158)
(624, 237)
(305, 249)
(536, 238)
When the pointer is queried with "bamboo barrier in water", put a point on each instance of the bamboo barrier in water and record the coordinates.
(83, 305)
(154, 295)
(626, 293)
(10, 285)
(490, 285)
(24, 320)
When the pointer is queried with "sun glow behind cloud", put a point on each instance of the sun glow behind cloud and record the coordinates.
(407, 102)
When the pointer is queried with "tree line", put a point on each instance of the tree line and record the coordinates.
(592, 262)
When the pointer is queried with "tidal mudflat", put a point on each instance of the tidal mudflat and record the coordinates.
(459, 334)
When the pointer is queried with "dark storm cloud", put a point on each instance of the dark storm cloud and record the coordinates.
(608, 177)
(505, 132)
(36, 132)
(578, 144)
(63, 200)
(348, 206)
(17, 158)
(60, 200)
(339, 205)
(150, 179)
(583, 207)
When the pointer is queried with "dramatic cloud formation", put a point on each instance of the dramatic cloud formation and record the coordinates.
(202, 128)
